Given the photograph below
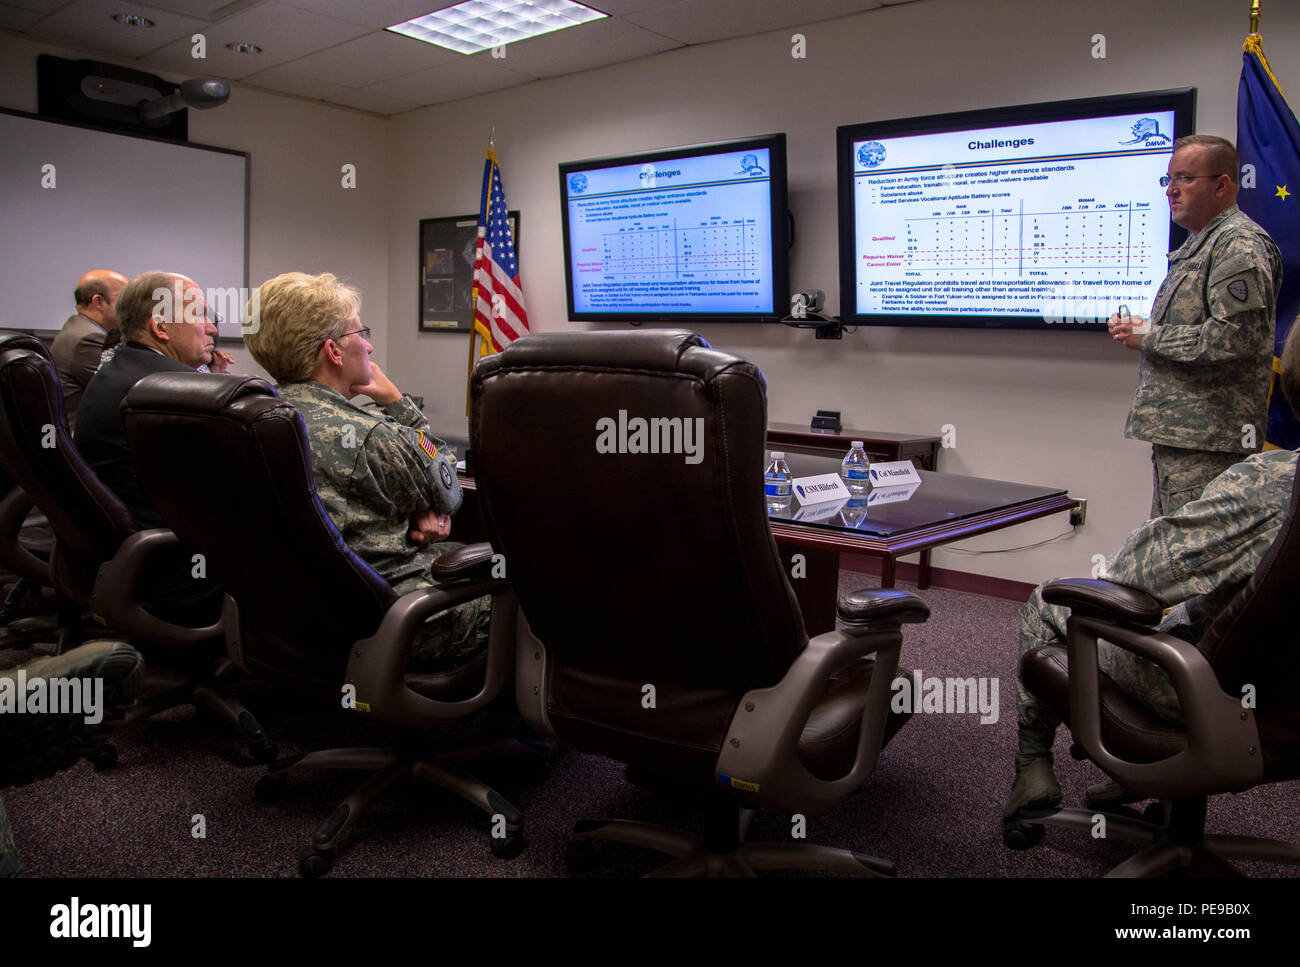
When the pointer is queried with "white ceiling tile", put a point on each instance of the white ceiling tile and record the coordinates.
(279, 79)
(580, 48)
(374, 13)
(88, 25)
(283, 32)
(374, 101)
(178, 56)
(370, 59)
(701, 21)
(12, 18)
(619, 8)
(40, 6)
(202, 9)
(461, 78)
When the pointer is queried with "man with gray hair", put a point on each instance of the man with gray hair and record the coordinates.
(165, 328)
(1207, 359)
(77, 347)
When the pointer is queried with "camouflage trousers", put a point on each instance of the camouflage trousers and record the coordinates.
(1044, 624)
(1178, 476)
(10, 863)
(451, 637)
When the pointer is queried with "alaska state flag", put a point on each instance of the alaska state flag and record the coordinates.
(1268, 137)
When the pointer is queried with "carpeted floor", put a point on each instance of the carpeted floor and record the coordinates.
(933, 804)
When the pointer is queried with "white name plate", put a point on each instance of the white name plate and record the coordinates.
(890, 495)
(894, 474)
(819, 488)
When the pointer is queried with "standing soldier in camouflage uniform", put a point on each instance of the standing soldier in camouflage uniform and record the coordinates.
(1193, 562)
(389, 486)
(1202, 393)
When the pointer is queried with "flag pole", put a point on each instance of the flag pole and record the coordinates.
(474, 334)
(1254, 16)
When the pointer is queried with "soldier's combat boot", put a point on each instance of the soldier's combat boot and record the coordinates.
(1035, 787)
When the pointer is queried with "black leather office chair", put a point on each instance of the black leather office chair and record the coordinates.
(302, 609)
(100, 552)
(25, 545)
(1229, 743)
(657, 623)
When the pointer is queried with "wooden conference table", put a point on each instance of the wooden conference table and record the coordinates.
(886, 523)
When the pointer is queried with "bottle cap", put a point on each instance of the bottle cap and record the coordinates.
(778, 454)
(857, 444)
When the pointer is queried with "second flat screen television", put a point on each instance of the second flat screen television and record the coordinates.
(690, 235)
(1043, 216)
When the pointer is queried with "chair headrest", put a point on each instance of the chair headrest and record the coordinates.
(22, 340)
(651, 350)
(194, 392)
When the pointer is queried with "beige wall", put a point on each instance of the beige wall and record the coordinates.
(1043, 408)
(1039, 407)
(300, 216)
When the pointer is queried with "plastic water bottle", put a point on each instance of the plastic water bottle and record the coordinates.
(776, 484)
(854, 469)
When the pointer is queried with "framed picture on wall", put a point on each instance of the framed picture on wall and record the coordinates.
(447, 271)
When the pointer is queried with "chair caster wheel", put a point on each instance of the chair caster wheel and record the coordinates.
(262, 751)
(1019, 836)
(103, 758)
(508, 847)
(270, 788)
(580, 856)
(313, 862)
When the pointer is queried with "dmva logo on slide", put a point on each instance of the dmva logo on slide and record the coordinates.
(1147, 130)
(577, 183)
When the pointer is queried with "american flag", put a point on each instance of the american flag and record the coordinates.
(499, 314)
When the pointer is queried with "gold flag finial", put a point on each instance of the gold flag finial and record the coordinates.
(1254, 16)
(492, 135)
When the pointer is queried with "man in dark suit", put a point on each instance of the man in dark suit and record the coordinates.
(77, 347)
(165, 328)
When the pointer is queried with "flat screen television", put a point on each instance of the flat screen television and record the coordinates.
(689, 235)
(1042, 216)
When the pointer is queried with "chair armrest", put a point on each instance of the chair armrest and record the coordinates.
(1104, 599)
(760, 759)
(1222, 753)
(14, 511)
(116, 595)
(377, 665)
(471, 562)
(881, 608)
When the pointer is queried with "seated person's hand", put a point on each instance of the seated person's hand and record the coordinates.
(380, 388)
(220, 361)
(429, 526)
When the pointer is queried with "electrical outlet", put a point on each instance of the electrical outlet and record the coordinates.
(1079, 515)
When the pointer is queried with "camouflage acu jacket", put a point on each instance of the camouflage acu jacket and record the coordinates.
(1207, 361)
(374, 468)
(1200, 557)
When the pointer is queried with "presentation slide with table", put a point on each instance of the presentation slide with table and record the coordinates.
(1033, 219)
(687, 235)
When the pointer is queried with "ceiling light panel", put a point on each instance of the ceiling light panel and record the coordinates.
(481, 24)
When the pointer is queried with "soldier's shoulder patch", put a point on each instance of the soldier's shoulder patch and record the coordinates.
(1238, 289)
(445, 474)
(430, 450)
